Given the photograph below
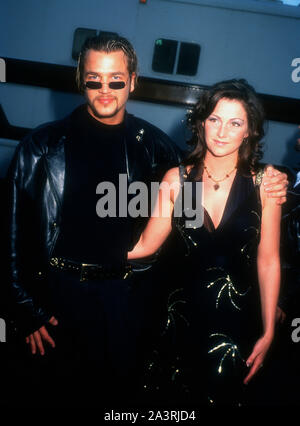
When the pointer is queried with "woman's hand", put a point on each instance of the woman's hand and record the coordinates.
(256, 359)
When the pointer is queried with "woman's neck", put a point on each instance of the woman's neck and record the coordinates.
(219, 166)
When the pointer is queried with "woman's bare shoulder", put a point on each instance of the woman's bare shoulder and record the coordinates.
(172, 175)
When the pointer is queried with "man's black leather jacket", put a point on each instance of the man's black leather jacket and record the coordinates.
(36, 184)
(290, 253)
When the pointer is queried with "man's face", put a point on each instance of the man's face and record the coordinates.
(105, 104)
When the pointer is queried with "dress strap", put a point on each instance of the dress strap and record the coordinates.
(259, 176)
(182, 174)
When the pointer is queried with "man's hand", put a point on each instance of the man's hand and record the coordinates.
(36, 339)
(275, 184)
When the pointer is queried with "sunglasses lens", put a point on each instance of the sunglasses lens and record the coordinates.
(93, 85)
(116, 85)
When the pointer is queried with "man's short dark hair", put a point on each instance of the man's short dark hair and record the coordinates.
(105, 44)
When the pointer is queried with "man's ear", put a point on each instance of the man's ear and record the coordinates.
(133, 78)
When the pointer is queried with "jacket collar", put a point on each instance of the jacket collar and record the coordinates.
(138, 161)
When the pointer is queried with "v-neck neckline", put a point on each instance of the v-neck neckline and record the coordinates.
(226, 211)
(238, 191)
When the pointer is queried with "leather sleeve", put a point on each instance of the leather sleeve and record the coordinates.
(163, 154)
(290, 253)
(166, 154)
(24, 312)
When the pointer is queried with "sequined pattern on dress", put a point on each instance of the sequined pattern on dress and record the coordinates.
(252, 242)
(228, 349)
(172, 309)
(228, 287)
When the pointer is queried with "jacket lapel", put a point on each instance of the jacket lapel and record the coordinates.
(138, 160)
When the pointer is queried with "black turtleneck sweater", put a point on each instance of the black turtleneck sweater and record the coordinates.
(94, 153)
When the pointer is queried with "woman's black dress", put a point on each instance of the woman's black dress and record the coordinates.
(213, 312)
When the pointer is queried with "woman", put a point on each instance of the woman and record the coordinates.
(236, 247)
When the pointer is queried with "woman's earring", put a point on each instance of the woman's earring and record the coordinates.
(245, 141)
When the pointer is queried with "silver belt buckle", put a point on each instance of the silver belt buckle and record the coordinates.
(54, 261)
(83, 271)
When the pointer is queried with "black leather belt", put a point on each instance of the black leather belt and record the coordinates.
(90, 271)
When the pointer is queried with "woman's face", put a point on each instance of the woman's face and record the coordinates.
(226, 128)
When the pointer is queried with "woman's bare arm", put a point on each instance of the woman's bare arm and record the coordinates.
(268, 264)
(160, 222)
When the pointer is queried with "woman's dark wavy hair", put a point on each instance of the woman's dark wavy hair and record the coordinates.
(107, 44)
(250, 151)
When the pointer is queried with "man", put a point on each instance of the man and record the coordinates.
(284, 362)
(70, 282)
(290, 249)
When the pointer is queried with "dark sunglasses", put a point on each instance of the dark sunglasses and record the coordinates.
(115, 85)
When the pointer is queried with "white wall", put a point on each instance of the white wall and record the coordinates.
(247, 39)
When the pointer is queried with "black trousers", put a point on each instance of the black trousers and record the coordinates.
(104, 340)
(100, 340)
